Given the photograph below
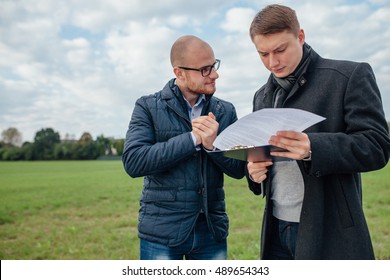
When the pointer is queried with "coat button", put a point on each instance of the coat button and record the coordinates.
(318, 174)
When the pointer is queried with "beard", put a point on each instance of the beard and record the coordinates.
(207, 89)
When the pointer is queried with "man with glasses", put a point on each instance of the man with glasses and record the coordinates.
(170, 134)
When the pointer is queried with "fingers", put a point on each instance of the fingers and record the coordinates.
(206, 126)
(258, 171)
(211, 115)
(297, 144)
(205, 122)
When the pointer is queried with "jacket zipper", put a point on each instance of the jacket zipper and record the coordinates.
(202, 189)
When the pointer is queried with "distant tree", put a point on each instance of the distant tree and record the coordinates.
(12, 153)
(47, 145)
(119, 145)
(12, 137)
(85, 138)
(104, 145)
(28, 151)
(88, 151)
(44, 143)
(87, 148)
(65, 150)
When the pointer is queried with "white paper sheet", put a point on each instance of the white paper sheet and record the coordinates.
(256, 128)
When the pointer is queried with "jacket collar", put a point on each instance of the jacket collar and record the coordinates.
(172, 95)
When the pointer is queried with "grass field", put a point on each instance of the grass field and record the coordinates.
(89, 209)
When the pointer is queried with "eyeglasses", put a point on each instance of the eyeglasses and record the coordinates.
(205, 70)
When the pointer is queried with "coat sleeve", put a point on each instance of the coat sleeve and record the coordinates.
(256, 188)
(364, 144)
(142, 154)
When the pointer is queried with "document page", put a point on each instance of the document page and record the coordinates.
(256, 128)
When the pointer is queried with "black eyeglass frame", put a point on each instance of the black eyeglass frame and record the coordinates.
(204, 69)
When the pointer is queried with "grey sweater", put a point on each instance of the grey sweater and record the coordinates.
(287, 190)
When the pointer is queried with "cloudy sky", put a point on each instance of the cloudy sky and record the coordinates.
(79, 66)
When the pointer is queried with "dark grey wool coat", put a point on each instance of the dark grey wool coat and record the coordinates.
(354, 138)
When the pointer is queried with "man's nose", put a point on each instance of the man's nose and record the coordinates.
(273, 60)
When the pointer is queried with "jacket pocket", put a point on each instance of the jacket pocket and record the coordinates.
(159, 188)
(159, 194)
(341, 198)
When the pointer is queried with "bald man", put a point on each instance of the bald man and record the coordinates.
(171, 133)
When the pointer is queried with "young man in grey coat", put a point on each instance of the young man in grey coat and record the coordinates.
(314, 201)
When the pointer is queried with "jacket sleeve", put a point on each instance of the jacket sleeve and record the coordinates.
(231, 167)
(142, 154)
(364, 144)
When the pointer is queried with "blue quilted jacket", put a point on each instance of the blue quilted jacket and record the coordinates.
(179, 181)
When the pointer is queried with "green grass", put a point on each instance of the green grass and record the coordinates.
(89, 210)
(376, 203)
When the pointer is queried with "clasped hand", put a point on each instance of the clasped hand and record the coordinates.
(205, 129)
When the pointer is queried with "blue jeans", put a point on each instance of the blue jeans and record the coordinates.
(283, 240)
(200, 245)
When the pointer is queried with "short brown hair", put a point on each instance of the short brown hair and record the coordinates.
(274, 19)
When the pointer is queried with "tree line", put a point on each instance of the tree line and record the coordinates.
(47, 145)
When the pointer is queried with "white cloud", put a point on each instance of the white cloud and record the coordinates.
(177, 21)
(77, 51)
(238, 20)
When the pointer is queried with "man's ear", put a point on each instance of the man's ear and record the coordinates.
(178, 73)
(301, 36)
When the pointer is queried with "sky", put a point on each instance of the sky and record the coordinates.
(79, 66)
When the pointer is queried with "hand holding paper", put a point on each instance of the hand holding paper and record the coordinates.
(296, 144)
(247, 139)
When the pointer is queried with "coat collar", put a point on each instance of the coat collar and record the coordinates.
(269, 87)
